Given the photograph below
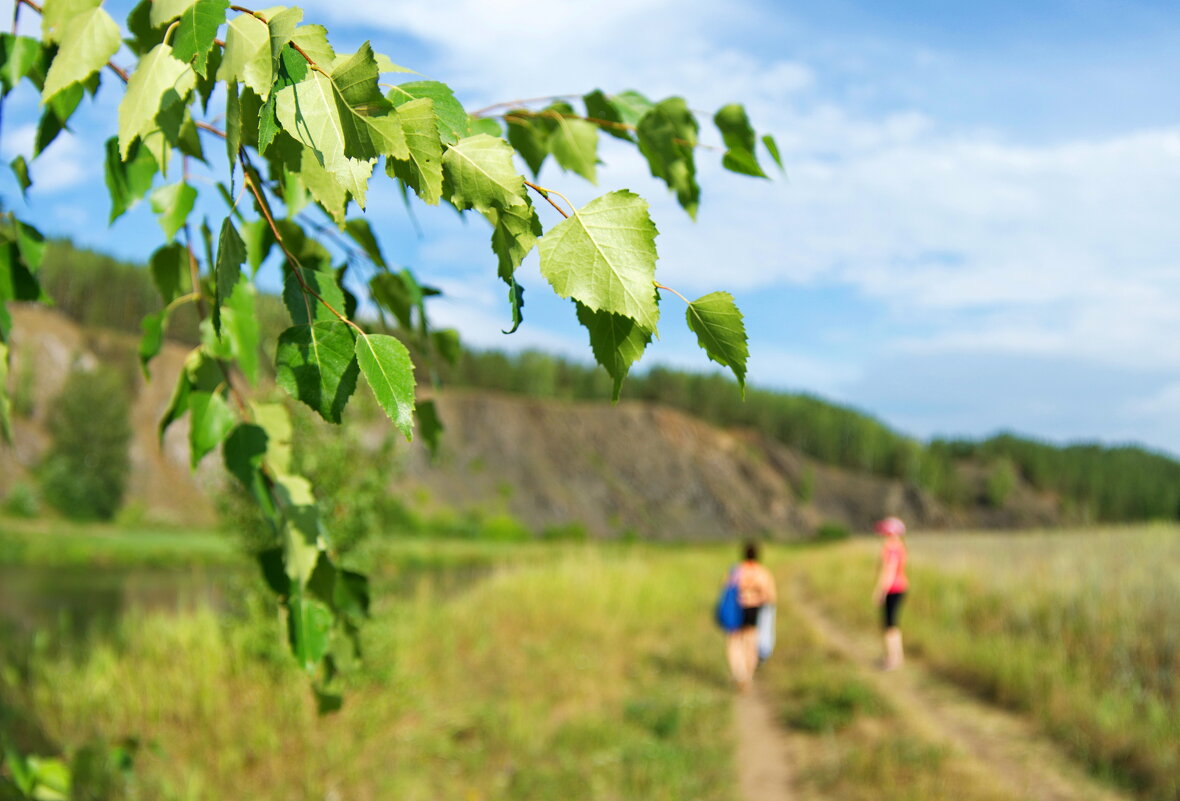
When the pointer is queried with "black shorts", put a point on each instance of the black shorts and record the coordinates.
(750, 616)
(890, 608)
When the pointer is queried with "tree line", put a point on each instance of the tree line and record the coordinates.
(1093, 482)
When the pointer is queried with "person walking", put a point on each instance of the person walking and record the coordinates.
(756, 590)
(891, 588)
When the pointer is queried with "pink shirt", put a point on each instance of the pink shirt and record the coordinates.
(893, 558)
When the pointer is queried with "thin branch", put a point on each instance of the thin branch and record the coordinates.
(549, 98)
(543, 192)
(658, 285)
(204, 126)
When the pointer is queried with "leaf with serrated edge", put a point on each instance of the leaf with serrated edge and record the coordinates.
(574, 142)
(450, 116)
(316, 365)
(667, 137)
(604, 256)
(210, 421)
(164, 11)
(127, 181)
(197, 31)
(231, 252)
(386, 365)
(56, 15)
(309, 112)
(514, 232)
(482, 175)
(422, 171)
(304, 307)
(617, 342)
(157, 74)
(247, 55)
(313, 40)
(739, 137)
(717, 322)
(88, 42)
(172, 204)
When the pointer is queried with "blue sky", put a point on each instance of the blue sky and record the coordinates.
(977, 231)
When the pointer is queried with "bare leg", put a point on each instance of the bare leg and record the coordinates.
(735, 652)
(893, 651)
(750, 643)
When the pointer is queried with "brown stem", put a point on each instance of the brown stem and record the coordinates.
(673, 291)
(545, 194)
(550, 98)
(204, 126)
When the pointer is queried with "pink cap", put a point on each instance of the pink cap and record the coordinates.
(890, 526)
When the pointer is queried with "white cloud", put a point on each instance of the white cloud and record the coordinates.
(65, 164)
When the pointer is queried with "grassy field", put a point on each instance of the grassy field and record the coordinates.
(1080, 630)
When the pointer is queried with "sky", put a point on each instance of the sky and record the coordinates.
(976, 231)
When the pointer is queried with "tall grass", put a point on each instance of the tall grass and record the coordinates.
(1079, 629)
(596, 676)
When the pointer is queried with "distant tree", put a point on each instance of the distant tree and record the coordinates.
(84, 473)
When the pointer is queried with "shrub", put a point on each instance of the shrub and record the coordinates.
(21, 501)
(831, 531)
(84, 474)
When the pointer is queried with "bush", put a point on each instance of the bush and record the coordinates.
(84, 474)
(832, 532)
(21, 501)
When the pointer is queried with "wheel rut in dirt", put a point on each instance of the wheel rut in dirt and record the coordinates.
(1006, 747)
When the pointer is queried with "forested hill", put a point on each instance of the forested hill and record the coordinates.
(1089, 482)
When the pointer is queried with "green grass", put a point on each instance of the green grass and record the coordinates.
(52, 542)
(1080, 630)
(595, 675)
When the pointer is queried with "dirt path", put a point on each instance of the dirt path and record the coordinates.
(1007, 747)
(763, 773)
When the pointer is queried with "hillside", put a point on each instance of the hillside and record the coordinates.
(637, 468)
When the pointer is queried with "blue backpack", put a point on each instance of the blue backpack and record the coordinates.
(728, 612)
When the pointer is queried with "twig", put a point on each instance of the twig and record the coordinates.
(658, 285)
(550, 98)
(204, 126)
(543, 192)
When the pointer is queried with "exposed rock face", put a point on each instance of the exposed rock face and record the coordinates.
(631, 468)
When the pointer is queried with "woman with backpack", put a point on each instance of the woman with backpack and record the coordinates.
(891, 587)
(755, 592)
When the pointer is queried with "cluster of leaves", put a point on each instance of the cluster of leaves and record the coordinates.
(304, 129)
(96, 771)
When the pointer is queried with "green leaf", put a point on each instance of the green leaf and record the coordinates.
(617, 342)
(164, 11)
(259, 240)
(5, 401)
(485, 125)
(172, 204)
(632, 106)
(422, 170)
(305, 308)
(210, 421)
(151, 341)
(451, 120)
(57, 113)
(88, 41)
(231, 252)
(247, 57)
(481, 174)
(17, 281)
(309, 624)
(31, 244)
(280, 29)
(313, 40)
(603, 112)
(179, 402)
(233, 127)
(244, 453)
(128, 179)
(390, 291)
(514, 232)
(240, 325)
(144, 35)
(604, 256)
(772, 149)
(360, 232)
(56, 16)
(301, 527)
(18, 56)
(159, 77)
(275, 420)
(667, 136)
(717, 322)
(739, 139)
(430, 427)
(573, 141)
(386, 365)
(316, 365)
(529, 135)
(20, 169)
(516, 301)
(197, 30)
(169, 267)
(447, 345)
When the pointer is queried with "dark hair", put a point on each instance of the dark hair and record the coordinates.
(751, 551)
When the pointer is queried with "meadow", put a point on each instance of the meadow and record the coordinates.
(1079, 630)
(593, 671)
